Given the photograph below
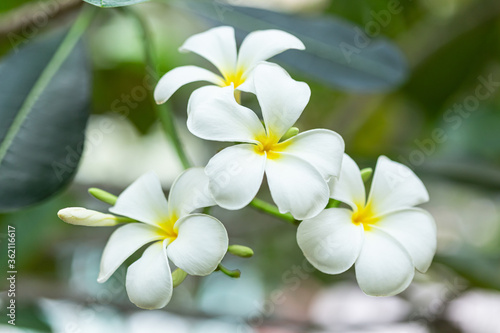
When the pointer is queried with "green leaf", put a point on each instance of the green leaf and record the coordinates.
(335, 54)
(113, 3)
(44, 107)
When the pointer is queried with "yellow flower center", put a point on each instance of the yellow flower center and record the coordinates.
(234, 77)
(365, 216)
(269, 143)
(167, 229)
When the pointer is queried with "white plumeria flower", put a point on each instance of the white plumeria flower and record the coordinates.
(196, 243)
(297, 169)
(385, 237)
(218, 45)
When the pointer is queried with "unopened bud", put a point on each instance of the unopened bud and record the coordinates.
(87, 217)
(366, 174)
(103, 195)
(178, 277)
(240, 251)
(292, 131)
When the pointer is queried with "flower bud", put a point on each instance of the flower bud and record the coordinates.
(240, 251)
(178, 277)
(292, 131)
(366, 174)
(87, 217)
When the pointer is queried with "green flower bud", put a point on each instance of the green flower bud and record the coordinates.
(103, 195)
(178, 277)
(293, 131)
(240, 251)
(366, 174)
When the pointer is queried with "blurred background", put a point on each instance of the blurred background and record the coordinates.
(417, 81)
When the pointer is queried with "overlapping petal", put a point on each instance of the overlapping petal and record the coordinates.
(200, 246)
(123, 242)
(264, 44)
(330, 241)
(179, 76)
(296, 186)
(217, 45)
(189, 192)
(384, 267)
(281, 98)
(149, 280)
(349, 187)
(235, 175)
(321, 148)
(143, 201)
(395, 186)
(415, 230)
(213, 114)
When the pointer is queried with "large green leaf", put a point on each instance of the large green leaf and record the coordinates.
(44, 107)
(113, 3)
(335, 52)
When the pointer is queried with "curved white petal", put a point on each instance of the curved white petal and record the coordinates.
(179, 76)
(264, 44)
(321, 148)
(149, 280)
(235, 175)
(296, 186)
(143, 201)
(123, 242)
(213, 114)
(200, 246)
(217, 45)
(383, 267)
(189, 192)
(349, 187)
(281, 98)
(415, 230)
(330, 241)
(395, 187)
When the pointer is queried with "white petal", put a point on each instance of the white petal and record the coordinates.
(330, 241)
(189, 192)
(217, 45)
(86, 217)
(321, 148)
(149, 280)
(213, 114)
(415, 229)
(349, 187)
(264, 44)
(281, 98)
(179, 76)
(235, 175)
(296, 186)
(143, 201)
(395, 187)
(200, 246)
(123, 242)
(383, 267)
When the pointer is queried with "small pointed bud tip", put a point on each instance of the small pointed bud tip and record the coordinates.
(292, 131)
(103, 195)
(366, 174)
(240, 251)
(178, 277)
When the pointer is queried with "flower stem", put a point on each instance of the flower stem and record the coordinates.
(273, 210)
(163, 111)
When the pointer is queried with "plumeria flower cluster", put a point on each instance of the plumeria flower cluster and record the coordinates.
(384, 235)
(196, 243)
